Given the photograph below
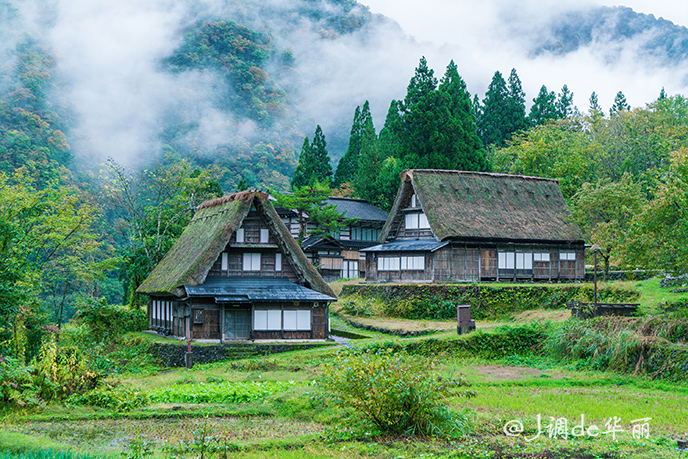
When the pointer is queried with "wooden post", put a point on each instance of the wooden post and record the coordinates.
(594, 274)
(188, 356)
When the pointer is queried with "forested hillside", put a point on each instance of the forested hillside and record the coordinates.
(237, 83)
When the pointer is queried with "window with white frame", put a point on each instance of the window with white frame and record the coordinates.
(506, 260)
(524, 261)
(225, 261)
(541, 256)
(388, 263)
(278, 262)
(267, 319)
(240, 235)
(414, 263)
(264, 235)
(297, 319)
(251, 262)
(414, 200)
(417, 220)
(567, 256)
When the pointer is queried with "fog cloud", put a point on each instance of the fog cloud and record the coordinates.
(110, 74)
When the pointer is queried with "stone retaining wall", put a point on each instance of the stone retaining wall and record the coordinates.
(172, 355)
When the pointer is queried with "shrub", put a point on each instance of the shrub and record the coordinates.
(395, 392)
(17, 387)
(358, 308)
(116, 397)
(61, 371)
(106, 322)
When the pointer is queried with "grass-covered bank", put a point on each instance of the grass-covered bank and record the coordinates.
(487, 300)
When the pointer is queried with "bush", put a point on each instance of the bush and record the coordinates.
(395, 392)
(106, 322)
(116, 397)
(17, 387)
(62, 371)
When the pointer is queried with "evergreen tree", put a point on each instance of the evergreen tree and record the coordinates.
(594, 104)
(477, 110)
(494, 121)
(421, 85)
(517, 104)
(314, 163)
(662, 94)
(564, 103)
(544, 107)
(458, 146)
(620, 104)
(346, 169)
(370, 160)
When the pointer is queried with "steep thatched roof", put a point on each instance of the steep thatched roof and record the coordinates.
(203, 240)
(479, 205)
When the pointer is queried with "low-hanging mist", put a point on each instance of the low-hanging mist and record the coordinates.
(123, 99)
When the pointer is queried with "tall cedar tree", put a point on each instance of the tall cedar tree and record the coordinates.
(504, 110)
(462, 145)
(373, 153)
(346, 169)
(620, 104)
(494, 119)
(517, 104)
(314, 163)
(544, 107)
(595, 107)
(438, 128)
(564, 103)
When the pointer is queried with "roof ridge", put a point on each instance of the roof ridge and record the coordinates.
(489, 174)
(239, 196)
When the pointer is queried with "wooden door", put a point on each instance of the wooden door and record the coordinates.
(488, 263)
(206, 324)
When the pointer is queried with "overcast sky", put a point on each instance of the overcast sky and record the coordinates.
(470, 33)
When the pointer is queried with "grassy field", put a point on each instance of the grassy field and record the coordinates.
(290, 420)
(273, 407)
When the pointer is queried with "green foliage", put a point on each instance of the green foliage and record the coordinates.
(106, 322)
(348, 164)
(620, 104)
(310, 204)
(241, 55)
(356, 307)
(62, 371)
(314, 163)
(118, 397)
(46, 454)
(396, 393)
(660, 230)
(487, 301)
(629, 347)
(604, 212)
(564, 104)
(154, 208)
(544, 107)
(16, 384)
(223, 392)
(503, 110)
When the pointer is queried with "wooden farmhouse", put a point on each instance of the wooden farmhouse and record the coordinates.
(470, 226)
(236, 273)
(339, 255)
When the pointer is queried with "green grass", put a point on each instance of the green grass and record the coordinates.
(652, 295)
(290, 420)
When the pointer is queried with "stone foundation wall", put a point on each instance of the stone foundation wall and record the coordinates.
(172, 355)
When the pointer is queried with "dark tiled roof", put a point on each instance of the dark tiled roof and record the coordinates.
(228, 289)
(408, 245)
(359, 209)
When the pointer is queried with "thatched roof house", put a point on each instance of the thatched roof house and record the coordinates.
(237, 273)
(478, 226)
